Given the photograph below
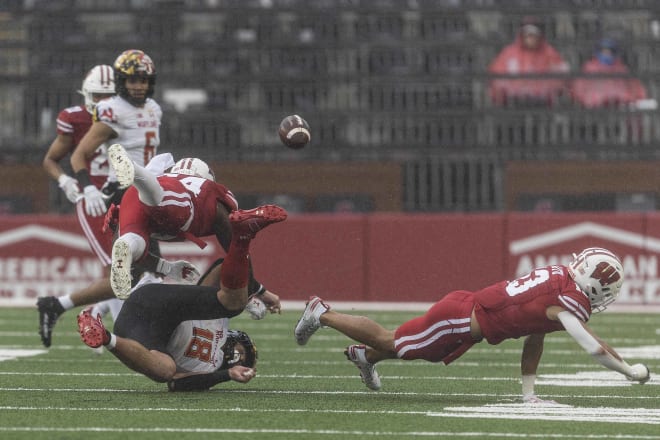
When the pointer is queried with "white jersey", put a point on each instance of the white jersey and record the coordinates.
(196, 346)
(137, 128)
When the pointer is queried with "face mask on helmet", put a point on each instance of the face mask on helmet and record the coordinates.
(100, 80)
(134, 63)
(599, 274)
(193, 167)
(239, 350)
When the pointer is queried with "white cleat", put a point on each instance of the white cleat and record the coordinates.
(368, 373)
(122, 164)
(310, 321)
(120, 269)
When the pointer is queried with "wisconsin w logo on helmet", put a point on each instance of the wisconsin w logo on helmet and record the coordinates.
(599, 274)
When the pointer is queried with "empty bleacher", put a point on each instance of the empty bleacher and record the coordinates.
(377, 80)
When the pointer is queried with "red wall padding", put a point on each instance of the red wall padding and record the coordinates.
(354, 257)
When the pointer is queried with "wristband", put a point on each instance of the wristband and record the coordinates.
(261, 290)
(163, 266)
(83, 178)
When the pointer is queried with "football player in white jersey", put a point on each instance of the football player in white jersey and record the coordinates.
(178, 334)
(132, 118)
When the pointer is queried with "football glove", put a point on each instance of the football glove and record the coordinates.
(70, 187)
(181, 270)
(94, 201)
(640, 373)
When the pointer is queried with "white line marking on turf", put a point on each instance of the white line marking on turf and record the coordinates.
(522, 411)
(11, 354)
(344, 433)
(330, 393)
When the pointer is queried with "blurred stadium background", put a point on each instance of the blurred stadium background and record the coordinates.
(396, 86)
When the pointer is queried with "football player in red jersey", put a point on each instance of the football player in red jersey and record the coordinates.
(548, 299)
(72, 124)
(184, 204)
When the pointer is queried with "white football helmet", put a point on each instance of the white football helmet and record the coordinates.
(193, 167)
(599, 273)
(100, 79)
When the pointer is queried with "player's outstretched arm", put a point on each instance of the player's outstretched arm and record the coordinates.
(202, 382)
(601, 351)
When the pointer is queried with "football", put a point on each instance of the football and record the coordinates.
(294, 132)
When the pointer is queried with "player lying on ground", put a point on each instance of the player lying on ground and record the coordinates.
(549, 299)
(177, 334)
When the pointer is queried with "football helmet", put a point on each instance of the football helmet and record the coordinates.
(132, 63)
(99, 80)
(193, 167)
(233, 356)
(599, 274)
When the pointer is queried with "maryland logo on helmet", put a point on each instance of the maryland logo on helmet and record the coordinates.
(134, 62)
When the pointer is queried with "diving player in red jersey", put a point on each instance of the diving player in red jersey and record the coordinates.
(548, 299)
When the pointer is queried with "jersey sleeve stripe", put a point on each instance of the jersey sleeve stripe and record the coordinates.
(574, 307)
(64, 127)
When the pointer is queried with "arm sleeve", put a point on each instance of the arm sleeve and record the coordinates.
(576, 329)
(199, 382)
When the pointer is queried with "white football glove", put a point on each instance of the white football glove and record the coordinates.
(94, 201)
(70, 187)
(181, 271)
(640, 373)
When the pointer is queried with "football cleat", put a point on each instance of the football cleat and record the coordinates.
(50, 310)
(92, 331)
(246, 223)
(310, 321)
(368, 373)
(120, 269)
(122, 164)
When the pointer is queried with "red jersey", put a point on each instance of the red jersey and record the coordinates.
(187, 210)
(512, 309)
(74, 121)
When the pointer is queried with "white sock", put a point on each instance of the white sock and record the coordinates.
(149, 190)
(112, 343)
(66, 302)
(136, 244)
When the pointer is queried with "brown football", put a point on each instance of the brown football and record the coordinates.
(294, 132)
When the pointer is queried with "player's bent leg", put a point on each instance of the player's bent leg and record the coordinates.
(361, 329)
(157, 366)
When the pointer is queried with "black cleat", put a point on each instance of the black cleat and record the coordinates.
(49, 310)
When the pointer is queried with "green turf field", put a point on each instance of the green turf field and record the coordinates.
(312, 392)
